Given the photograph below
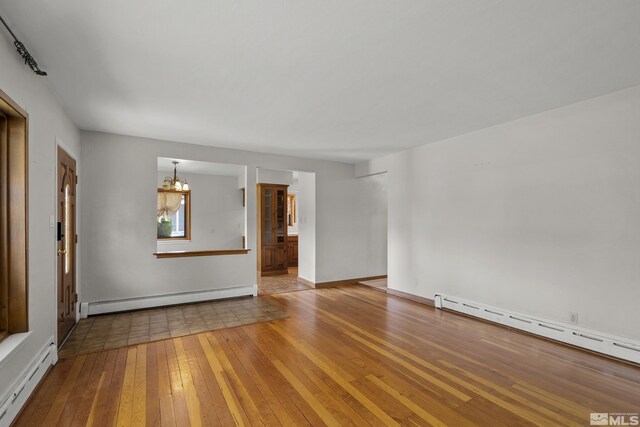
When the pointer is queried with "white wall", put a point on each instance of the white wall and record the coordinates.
(540, 215)
(122, 170)
(350, 225)
(270, 176)
(47, 121)
(217, 215)
(306, 204)
(371, 198)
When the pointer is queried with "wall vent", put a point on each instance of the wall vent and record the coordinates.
(622, 348)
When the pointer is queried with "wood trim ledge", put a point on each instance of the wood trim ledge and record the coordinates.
(187, 254)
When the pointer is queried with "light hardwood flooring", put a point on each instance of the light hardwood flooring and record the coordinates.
(345, 356)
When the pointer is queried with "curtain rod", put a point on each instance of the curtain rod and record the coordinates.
(24, 53)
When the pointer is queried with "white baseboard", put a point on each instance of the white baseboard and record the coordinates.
(84, 310)
(600, 342)
(16, 396)
(101, 307)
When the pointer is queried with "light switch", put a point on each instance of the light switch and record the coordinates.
(52, 221)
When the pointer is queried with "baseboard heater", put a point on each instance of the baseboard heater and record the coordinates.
(619, 347)
(19, 392)
(114, 306)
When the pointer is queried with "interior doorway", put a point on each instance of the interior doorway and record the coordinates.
(285, 230)
(67, 296)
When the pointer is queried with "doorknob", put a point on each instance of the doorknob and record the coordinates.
(62, 251)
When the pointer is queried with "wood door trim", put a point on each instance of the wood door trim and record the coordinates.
(259, 226)
(7, 105)
(14, 206)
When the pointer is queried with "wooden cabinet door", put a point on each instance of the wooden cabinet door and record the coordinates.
(292, 251)
(267, 216)
(269, 258)
(281, 263)
(280, 213)
(294, 256)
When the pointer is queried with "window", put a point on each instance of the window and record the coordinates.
(178, 222)
(174, 215)
(13, 218)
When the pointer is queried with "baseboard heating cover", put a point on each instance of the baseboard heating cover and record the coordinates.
(101, 307)
(17, 395)
(619, 347)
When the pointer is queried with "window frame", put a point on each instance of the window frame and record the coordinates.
(13, 218)
(187, 216)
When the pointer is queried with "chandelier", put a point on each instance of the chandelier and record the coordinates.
(175, 183)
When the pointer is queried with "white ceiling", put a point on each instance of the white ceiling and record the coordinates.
(331, 79)
(197, 167)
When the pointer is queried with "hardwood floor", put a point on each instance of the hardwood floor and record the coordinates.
(345, 356)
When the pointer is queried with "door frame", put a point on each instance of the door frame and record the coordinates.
(53, 218)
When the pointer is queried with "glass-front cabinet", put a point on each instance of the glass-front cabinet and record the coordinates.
(272, 229)
(267, 215)
(281, 214)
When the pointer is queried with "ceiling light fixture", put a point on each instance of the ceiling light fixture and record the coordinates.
(24, 53)
(175, 183)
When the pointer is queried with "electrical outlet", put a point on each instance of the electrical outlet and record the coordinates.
(574, 318)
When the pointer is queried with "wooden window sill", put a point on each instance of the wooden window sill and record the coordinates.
(186, 254)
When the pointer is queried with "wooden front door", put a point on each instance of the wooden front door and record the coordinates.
(66, 250)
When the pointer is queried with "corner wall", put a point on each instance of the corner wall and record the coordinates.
(540, 215)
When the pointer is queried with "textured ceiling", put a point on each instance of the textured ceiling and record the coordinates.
(339, 80)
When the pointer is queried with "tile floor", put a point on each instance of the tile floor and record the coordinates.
(282, 283)
(124, 329)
